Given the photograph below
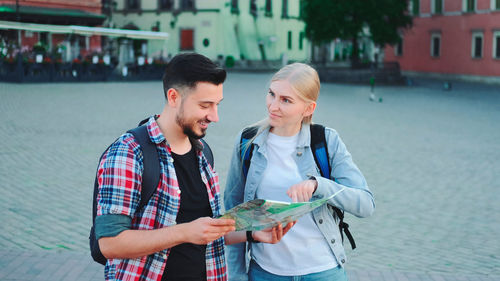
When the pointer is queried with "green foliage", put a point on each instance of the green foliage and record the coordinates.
(330, 19)
(39, 47)
(229, 61)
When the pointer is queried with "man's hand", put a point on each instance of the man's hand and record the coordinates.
(205, 230)
(272, 235)
(302, 191)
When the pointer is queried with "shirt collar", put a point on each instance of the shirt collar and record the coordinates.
(154, 130)
(157, 136)
(304, 136)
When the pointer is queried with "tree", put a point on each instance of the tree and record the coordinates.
(327, 20)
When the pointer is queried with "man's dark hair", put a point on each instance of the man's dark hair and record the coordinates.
(185, 70)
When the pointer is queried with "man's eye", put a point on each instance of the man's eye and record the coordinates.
(286, 100)
(271, 94)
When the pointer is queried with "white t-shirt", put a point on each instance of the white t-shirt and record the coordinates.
(303, 250)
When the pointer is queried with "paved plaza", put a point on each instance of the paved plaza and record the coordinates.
(431, 158)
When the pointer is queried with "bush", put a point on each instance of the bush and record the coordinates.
(229, 61)
(39, 48)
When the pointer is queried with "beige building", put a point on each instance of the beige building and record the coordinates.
(256, 30)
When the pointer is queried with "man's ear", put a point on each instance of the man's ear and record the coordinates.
(173, 97)
(309, 109)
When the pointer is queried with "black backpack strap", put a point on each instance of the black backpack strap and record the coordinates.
(319, 148)
(246, 153)
(343, 226)
(208, 152)
(151, 163)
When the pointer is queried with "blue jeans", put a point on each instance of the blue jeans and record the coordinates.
(256, 273)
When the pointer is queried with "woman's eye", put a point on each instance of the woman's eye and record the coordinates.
(286, 100)
(271, 94)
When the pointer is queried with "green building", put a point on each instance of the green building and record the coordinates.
(243, 30)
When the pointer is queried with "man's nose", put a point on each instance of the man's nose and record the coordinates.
(213, 115)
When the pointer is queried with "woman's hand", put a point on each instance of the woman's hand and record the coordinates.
(302, 191)
(272, 235)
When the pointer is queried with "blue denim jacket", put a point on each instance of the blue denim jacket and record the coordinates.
(356, 199)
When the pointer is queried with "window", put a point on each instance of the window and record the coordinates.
(133, 5)
(437, 6)
(496, 45)
(253, 8)
(165, 5)
(289, 40)
(234, 7)
(416, 7)
(398, 49)
(497, 5)
(187, 4)
(187, 42)
(435, 45)
(477, 45)
(301, 40)
(284, 9)
(469, 5)
(301, 8)
(269, 8)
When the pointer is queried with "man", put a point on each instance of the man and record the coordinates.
(174, 237)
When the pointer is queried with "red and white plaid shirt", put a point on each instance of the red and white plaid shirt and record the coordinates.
(120, 178)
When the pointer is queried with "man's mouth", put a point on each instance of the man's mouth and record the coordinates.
(204, 124)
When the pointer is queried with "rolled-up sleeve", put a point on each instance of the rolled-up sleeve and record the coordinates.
(111, 225)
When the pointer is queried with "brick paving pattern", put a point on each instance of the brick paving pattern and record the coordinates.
(430, 156)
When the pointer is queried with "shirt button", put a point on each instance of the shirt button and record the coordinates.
(320, 221)
(179, 191)
(333, 241)
(165, 256)
(343, 260)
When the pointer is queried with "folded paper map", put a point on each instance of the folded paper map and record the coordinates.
(260, 214)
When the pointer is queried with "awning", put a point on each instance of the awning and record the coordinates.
(84, 30)
(50, 15)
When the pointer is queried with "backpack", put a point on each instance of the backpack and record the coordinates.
(150, 179)
(320, 153)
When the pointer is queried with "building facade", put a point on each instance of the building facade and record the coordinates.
(256, 30)
(451, 39)
(53, 12)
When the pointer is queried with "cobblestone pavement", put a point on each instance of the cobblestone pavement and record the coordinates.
(430, 156)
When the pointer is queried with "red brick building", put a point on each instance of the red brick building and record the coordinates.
(451, 38)
(52, 12)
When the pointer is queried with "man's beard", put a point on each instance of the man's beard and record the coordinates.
(188, 125)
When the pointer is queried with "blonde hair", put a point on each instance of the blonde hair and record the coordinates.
(304, 80)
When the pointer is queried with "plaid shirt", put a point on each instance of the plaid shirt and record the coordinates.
(120, 177)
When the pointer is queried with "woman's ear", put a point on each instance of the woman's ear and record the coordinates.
(309, 109)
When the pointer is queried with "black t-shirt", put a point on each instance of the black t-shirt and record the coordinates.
(187, 261)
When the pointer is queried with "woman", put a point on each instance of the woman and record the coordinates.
(283, 168)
